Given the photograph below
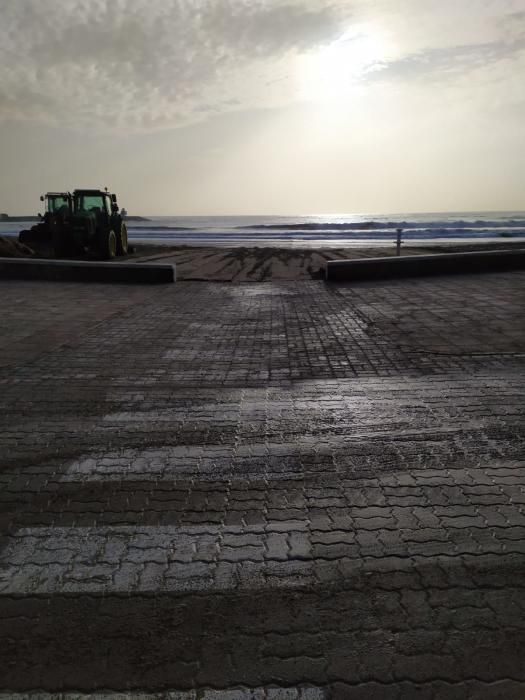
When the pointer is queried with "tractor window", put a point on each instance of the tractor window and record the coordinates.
(90, 202)
(55, 204)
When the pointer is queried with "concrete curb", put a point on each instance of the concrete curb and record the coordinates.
(82, 271)
(422, 265)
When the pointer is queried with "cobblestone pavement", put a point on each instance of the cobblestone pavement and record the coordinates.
(281, 491)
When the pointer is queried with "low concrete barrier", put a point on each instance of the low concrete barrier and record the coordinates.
(86, 271)
(422, 265)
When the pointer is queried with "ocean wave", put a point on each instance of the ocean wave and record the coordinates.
(389, 225)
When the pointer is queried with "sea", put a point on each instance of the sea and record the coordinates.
(319, 230)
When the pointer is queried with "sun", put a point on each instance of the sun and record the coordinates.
(332, 72)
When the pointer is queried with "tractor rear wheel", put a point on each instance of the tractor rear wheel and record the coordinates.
(108, 244)
(122, 240)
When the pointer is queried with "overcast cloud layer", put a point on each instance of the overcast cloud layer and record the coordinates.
(146, 64)
(149, 63)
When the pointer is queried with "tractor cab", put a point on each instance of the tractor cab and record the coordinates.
(96, 203)
(57, 204)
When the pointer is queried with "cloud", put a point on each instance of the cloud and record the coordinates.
(150, 63)
(440, 65)
(153, 64)
(466, 56)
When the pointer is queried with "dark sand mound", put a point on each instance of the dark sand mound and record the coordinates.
(11, 248)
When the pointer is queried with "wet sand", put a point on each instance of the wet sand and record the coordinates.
(255, 264)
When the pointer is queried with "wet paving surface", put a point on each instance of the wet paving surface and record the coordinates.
(284, 491)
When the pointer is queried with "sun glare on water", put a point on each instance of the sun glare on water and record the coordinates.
(333, 72)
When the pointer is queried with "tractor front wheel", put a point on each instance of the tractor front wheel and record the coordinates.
(108, 245)
(122, 240)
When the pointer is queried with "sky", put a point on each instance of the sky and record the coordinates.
(209, 107)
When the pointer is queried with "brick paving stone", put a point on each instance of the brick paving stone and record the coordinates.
(285, 491)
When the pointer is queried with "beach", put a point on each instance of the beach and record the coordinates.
(256, 263)
(262, 264)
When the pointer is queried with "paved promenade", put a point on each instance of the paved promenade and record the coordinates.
(275, 491)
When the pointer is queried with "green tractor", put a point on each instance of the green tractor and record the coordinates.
(52, 225)
(96, 225)
(87, 221)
